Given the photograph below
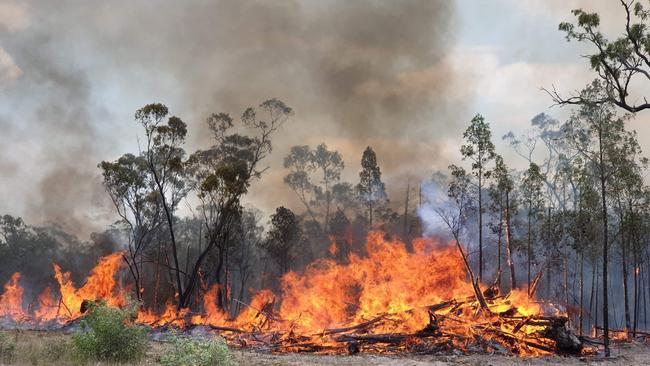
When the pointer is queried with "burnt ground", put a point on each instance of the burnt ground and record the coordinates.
(31, 345)
(632, 354)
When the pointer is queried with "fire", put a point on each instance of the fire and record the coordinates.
(394, 290)
(66, 306)
(11, 301)
(389, 280)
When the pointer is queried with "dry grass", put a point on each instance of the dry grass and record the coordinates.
(35, 348)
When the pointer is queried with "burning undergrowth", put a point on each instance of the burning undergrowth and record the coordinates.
(390, 300)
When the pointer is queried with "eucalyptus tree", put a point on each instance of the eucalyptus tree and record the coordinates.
(617, 63)
(164, 156)
(371, 190)
(301, 167)
(627, 189)
(531, 191)
(502, 191)
(479, 149)
(222, 175)
(330, 164)
(454, 215)
(247, 240)
(546, 139)
(322, 191)
(283, 238)
(599, 135)
(584, 229)
(341, 231)
(131, 187)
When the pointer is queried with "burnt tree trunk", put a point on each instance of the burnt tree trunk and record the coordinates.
(603, 193)
(513, 280)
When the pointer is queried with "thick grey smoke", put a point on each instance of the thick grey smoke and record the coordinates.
(356, 72)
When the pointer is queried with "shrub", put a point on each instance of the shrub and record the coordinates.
(109, 334)
(191, 352)
(7, 348)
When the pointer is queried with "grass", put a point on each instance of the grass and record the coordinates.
(34, 348)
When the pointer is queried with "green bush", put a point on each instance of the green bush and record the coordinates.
(7, 348)
(109, 334)
(184, 351)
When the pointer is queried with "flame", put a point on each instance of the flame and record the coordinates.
(390, 283)
(11, 301)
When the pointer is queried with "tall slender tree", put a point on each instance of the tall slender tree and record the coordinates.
(505, 187)
(371, 189)
(598, 135)
(164, 155)
(531, 190)
(479, 149)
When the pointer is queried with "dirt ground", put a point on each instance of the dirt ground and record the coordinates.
(31, 345)
(632, 354)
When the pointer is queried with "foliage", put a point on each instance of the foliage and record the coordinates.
(220, 176)
(372, 191)
(617, 63)
(322, 191)
(109, 334)
(282, 238)
(184, 351)
(479, 149)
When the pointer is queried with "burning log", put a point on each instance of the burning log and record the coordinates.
(453, 325)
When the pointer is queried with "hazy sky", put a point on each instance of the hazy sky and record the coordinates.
(402, 76)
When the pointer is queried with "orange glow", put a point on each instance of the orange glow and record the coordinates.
(11, 301)
(390, 286)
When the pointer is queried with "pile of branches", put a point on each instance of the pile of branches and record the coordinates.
(455, 326)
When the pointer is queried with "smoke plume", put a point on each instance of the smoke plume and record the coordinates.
(355, 72)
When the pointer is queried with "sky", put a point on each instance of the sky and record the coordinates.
(404, 77)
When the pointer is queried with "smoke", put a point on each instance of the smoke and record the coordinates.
(355, 72)
(436, 203)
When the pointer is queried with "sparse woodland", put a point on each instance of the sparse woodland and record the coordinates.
(571, 227)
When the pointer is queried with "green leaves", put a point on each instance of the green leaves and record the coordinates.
(479, 147)
(283, 237)
(151, 113)
(108, 334)
(183, 351)
(616, 63)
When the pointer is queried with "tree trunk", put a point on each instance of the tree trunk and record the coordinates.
(170, 223)
(500, 233)
(513, 280)
(406, 219)
(582, 293)
(566, 282)
(596, 304)
(480, 225)
(528, 244)
(636, 294)
(625, 288)
(603, 193)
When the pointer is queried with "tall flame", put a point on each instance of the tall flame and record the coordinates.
(11, 301)
(390, 281)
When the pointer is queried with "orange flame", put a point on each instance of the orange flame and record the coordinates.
(11, 301)
(388, 282)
